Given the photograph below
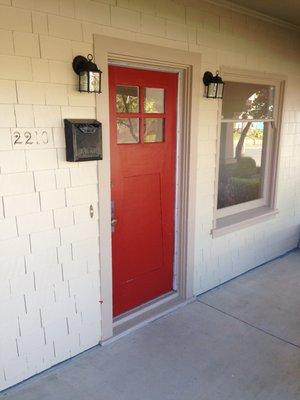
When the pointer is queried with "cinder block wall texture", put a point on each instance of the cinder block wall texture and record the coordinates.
(49, 267)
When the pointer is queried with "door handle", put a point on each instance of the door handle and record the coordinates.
(113, 222)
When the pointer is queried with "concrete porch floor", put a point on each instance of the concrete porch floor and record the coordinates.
(240, 341)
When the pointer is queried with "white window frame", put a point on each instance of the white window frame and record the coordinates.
(266, 204)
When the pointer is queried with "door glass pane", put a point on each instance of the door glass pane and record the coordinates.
(154, 100)
(127, 99)
(127, 130)
(153, 130)
(247, 101)
(242, 161)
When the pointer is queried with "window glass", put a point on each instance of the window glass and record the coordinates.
(154, 100)
(127, 99)
(153, 130)
(242, 162)
(248, 101)
(127, 130)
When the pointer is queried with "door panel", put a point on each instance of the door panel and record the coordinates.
(142, 215)
(143, 146)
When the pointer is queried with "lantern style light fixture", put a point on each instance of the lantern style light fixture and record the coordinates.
(214, 85)
(89, 74)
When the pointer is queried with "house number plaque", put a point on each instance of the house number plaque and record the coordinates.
(31, 138)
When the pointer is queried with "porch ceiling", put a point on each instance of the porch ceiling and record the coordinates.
(287, 10)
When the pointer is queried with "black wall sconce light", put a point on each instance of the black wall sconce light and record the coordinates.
(214, 85)
(89, 74)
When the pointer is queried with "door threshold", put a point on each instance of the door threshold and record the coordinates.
(141, 316)
(128, 315)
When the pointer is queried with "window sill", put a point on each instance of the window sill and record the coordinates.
(242, 220)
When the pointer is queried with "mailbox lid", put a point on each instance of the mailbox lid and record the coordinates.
(79, 122)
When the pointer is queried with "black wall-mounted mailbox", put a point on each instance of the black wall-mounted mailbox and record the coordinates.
(83, 139)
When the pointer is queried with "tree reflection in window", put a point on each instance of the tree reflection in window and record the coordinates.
(127, 101)
(258, 107)
(247, 113)
(127, 130)
(154, 100)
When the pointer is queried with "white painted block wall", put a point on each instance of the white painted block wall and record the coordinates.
(49, 267)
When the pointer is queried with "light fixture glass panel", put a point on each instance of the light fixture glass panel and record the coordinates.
(127, 130)
(94, 81)
(153, 130)
(242, 162)
(248, 101)
(220, 90)
(83, 81)
(154, 100)
(212, 90)
(127, 99)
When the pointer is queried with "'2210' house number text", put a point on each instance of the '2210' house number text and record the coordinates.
(28, 138)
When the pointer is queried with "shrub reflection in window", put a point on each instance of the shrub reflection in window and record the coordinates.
(247, 112)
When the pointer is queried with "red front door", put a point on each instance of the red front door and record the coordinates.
(143, 150)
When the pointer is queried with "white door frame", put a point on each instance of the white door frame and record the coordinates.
(113, 50)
